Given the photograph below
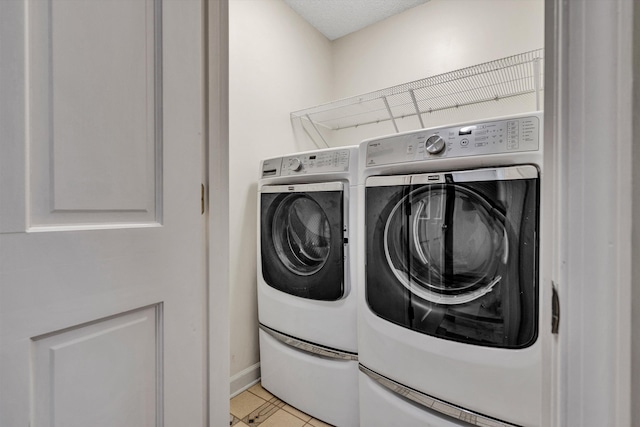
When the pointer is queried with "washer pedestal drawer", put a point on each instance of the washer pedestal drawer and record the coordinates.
(325, 388)
(380, 407)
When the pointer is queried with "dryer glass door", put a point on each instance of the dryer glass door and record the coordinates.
(463, 250)
(386, 198)
(301, 229)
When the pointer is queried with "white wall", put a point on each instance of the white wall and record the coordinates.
(434, 38)
(277, 64)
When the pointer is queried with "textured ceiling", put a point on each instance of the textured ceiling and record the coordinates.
(337, 18)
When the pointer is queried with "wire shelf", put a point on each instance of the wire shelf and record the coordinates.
(503, 78)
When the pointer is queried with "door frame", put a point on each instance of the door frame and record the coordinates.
(216, 16)
(589, 112)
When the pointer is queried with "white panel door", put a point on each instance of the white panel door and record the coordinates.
(102, 239)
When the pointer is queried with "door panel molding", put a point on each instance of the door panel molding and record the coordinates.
(94, 113)
(102, 373)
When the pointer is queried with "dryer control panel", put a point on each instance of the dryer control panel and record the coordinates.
(492, 137)
(303, 163)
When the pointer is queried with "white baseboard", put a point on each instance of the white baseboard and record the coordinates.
(244, 379)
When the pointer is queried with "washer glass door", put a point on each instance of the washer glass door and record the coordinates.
(460, 252)
(301, 233)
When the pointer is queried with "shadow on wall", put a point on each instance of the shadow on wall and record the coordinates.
(244, 285)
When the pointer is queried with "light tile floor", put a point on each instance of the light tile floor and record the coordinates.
(257, 407)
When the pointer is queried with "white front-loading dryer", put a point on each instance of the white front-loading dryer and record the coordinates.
(307, 298)
(450, 313)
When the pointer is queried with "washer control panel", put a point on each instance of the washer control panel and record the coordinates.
(300, 164)
(492, 137)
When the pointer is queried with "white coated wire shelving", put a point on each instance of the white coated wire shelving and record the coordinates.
(492, 81)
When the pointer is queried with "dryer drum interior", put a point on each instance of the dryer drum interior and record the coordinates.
(302, 243)
(456, 260)
(301, 234)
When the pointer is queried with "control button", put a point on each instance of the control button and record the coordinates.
(295, 165)
(435, 144)
(464, 142)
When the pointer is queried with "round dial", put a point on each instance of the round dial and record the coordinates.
(295, 164)
(435, 144)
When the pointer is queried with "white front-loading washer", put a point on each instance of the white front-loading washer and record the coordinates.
(450, 316)
(307, 298)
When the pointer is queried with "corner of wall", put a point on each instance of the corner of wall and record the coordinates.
(244, 379)
(278, 63)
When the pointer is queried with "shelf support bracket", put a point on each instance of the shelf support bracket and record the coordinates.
(393, 120)
(415, 105)
(536, 81)
(316, 129)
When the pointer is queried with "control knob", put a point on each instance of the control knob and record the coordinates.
(295, 164)
(435, 144)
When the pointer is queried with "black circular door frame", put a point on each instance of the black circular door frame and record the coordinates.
(302, 239)
(507, 315)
